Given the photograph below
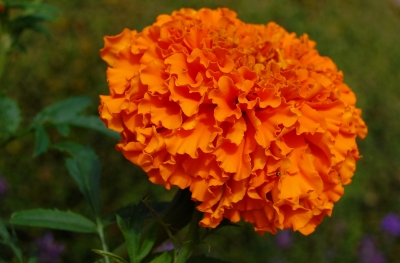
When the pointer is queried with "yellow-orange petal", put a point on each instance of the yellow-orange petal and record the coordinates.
(270, 119)
(113, 45)
(225, 97)
(201, 137)
(154, 76)
(164, 113)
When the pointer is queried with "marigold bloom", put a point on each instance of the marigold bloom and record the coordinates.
(252, 119)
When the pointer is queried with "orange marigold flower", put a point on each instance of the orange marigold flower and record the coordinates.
(252, 119)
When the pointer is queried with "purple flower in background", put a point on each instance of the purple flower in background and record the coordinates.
(49, 252)
(391, 224)
(3, 187)
(284, 239)
(368, 252)
(164, 246)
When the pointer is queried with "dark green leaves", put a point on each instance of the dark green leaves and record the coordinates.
(62, 112)
(114, 257)
(165, 257)
(11, 241)
(32, 17)
(9, 116)
(138, 246)
(94, 123)
(42, 141)
(84, 167)
(54, 219)
(63, 115)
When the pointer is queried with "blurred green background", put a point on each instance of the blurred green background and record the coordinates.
(362, 37)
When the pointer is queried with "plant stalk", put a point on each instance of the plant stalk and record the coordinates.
(100, 231)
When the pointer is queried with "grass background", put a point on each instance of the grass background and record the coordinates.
(362, 37)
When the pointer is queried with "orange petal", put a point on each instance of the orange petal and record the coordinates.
(225, 97)
(113, 45)
(291, 216)
(204, 166)
(185, 74)
(194, 37)
(201, 137)
(154, 76)
(235, 131)
(173, 172)
(110, 112)
(302, 180)
(270, 119)
(164, 113)
(310, 120)
(189, 102)
(232, 159)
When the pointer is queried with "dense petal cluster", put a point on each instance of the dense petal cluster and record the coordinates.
(252, 119)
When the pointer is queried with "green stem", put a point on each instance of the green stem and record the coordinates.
(191, 239)
(100, 231)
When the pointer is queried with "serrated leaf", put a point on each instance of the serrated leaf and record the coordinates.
(85, 168)
(116, 258)
(165, 257)
(28, 21)
(10, 116)
(132, 229)
(94, 123)
(42, 141)
(69, 112)
(54, 219)
(63, 111)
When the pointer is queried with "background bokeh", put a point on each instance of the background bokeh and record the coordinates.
(361, 36)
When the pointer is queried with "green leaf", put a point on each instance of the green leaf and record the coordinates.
(34, 6)
(42, 141)
(5, 236)
(54, 219)
(31, 21)
(165, 257)
(10, 116)
(69, 112)
(116, 258)
(63, 129)
(132, 230)
(8, 240)
(63, 111)
(33, 259)
(149, 240)
(202, 259)
(94, 123)
(85, 168)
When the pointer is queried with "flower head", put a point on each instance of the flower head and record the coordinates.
(49, 251)
(251, 118)
(391, 224)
